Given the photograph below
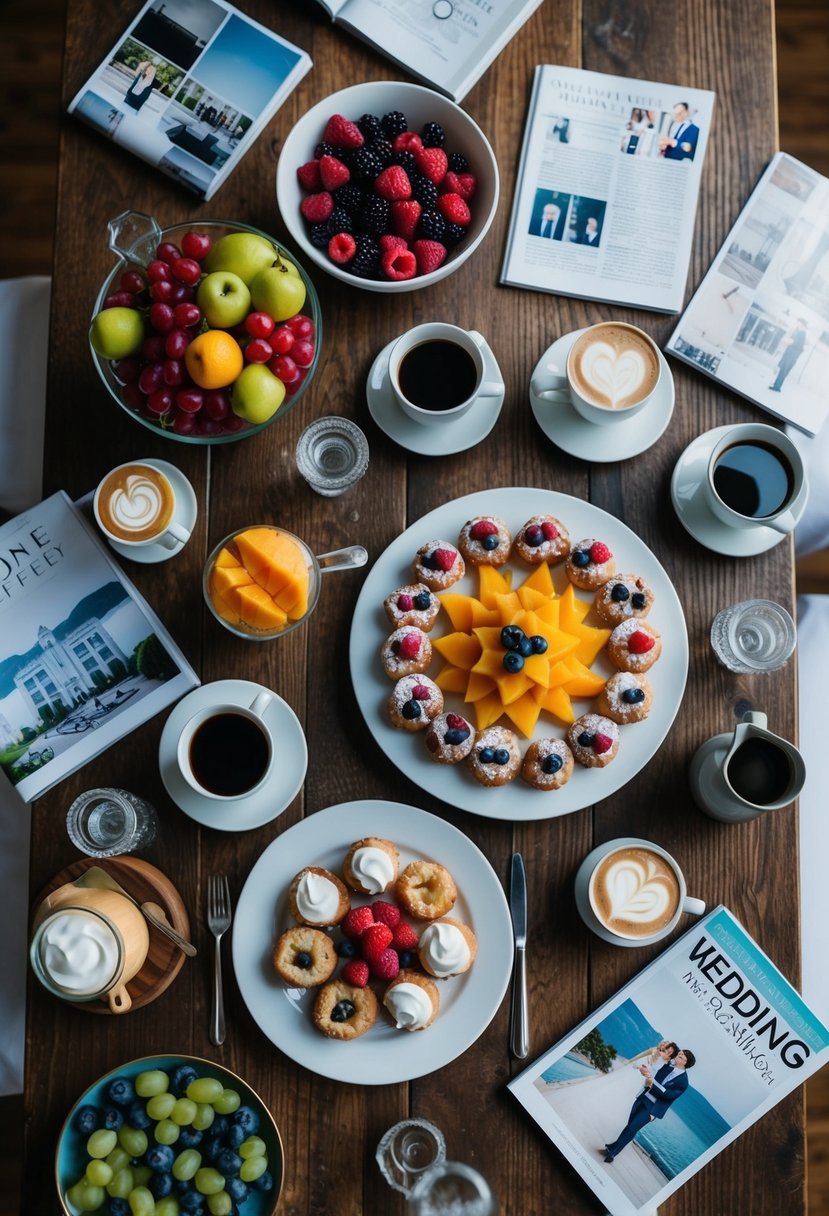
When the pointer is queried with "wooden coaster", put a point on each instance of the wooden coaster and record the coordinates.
(144, 882)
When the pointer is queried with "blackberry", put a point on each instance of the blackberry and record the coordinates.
(383, 150)
(433, 135)
(374, 215)
(394, 123)
(365, 164)
(431, 226)
(339, 221)
(349, 198)
(366, 260)
(406, 160)
(319, 235)
(323, 149)
(458, 162)
(369, 124)
(453, 233)
(424, 191)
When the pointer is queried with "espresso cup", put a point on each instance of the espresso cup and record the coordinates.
(135, 505)
(437, 372)
(736, 777)
(631, 892)
(613, 370)
(756, 478)
(227, 751)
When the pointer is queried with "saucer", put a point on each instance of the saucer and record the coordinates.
(564, 427)
(260, 807)
(440, 439)
(187, 510)
(688, 497)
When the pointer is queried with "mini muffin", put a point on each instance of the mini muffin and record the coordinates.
(449, 739)
(343, 1011)
(304, 957)
(548, 764)
(495, 757)
(590, 564)
(485, 541)
(413, 604)
(626, 697)
(634, 646)
(318, 898)
(447, 947)
(412, 1000)
(406, 651)
(414, 702)
(593, 740)
(623, 597)
(371, 865)
(426, 890)
(543, 539)
(438, 564)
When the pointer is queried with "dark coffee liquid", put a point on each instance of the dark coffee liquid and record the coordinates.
(759, 771)
(228, 754)
(437, 375)
(753, 479)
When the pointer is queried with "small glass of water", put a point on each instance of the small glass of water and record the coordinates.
(452, 1188)
(332, 455)
(108, 822)
(753, 636)
(407, 1149)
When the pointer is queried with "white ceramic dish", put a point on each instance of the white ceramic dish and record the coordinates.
(383, 1055)
(452, 783)
(187, 510)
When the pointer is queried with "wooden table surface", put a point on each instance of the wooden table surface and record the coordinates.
(330, 1129)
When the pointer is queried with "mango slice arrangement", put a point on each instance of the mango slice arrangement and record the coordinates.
(259, 580)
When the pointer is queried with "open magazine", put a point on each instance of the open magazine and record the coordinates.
(607, 188)
(746, 1040)
(759, 321)
(83, 658)
(189, 86)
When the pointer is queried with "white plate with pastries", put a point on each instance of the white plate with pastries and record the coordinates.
(383, 1055)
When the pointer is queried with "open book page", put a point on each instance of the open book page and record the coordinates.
(759, 321)
(607, 188)
(189, 86)
(746, 1040)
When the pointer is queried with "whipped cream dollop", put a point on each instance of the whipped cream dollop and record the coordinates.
(409, 1005)
(444, 949)
(372, 868)
(139, 504)
(79, 952)
(317, 899)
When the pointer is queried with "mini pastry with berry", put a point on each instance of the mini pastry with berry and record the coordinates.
(304, 957)
(485, 541)
(447, 947)
(548, 764)
(590, 564)
(626, 697)
(406, 652)
(543, 539)
(634, 646)
(593, 740)
(449, 739)
(414, 702)
(412, 1000)
(495, 757)
(344, 1011)
(622, 598)
(413, 604)
(438, 564)
(318, 898)
(371, 865)
(426, 890)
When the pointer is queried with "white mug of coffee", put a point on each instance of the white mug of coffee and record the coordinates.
(135, 505)
(226, 752)
(737, 776)
(631, 892)
(613, 370)
(437, 371)
(756, 478)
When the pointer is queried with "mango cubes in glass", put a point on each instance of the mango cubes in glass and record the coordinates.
(259, 581)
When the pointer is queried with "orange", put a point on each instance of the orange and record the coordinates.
(214, 359)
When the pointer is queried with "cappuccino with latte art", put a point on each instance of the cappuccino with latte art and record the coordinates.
(634, 892)
(613, 366)
(135, 503)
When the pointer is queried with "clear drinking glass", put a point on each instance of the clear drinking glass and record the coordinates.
(108, 822)
(407, 1149)
(332, 455)
(753, 636)
(452, 1188)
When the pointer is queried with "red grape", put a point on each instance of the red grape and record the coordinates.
(190, 400)
(301, 326)
(258, 351)
(182, 294)
(168, 252)
(160, 402)
(284, 367)
(216, 405)
(292, 386)
(196, 245)
(151, 378)
(187, 270)
(132, 281)
(161, 318)
(118, 299)
(132, 396)
(173, 373)
(187, 316)
(162, 291)
(282, 340)
(234, 423)
(127, 370)
(152, 349)
(259, 324)
(176, 343)
(183, 423)
(158, 271)
(303, 352)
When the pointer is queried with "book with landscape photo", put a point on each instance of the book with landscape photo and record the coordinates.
(189, 86)
(607, 188)
(83, 658)
(759, 321)
(735, 1038)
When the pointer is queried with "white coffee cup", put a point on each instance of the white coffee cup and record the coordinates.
(612, 371)
(643, 893)
(135, 505)
(217, 732)
(436, 372)
(778, 466)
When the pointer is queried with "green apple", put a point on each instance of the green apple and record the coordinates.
(242, 253)
(279, 291)
(257, 393)
(116, 333)
(224, 299)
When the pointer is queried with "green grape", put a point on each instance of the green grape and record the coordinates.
(141, 1175)
(161, 1106)
(122, 1183)
(219, 1204)
(205, 1089)
(204, 1116)
(152, 1082)
(167, 1132)
(252, 1168)
(85, 1197)
(117, 1159)
(254, 1146)
(99, 1173)
(101, 1143)
(168, 1206)
(186, 1164)
(133, 1140)
(227, 1102)
(209, 1181)
(141, 1202)
(184, 1111)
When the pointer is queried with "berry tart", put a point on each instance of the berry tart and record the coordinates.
(426, 890)
(406, 652)
(485, 541)
(412, 1000)
(447, 947)
(634, 646)
(543, 538)
(371, 865)
(590, 564)
(414, 702)
(344, 1011)
(438, 564)
(626, 697)
(318, 898)
(304, 957)
(449, 739)
(593, 740)
(413, 604)
(622, 598)
(548, 764)
(495, 757)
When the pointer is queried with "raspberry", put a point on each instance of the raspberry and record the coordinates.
(341, 248)
(356, 972)
(432, 163)
(399, 264)
(444, 558)
(393, 183)
(407, 141)
(333, 172)
(404, 937)
(386, 966)
(409, 646)
(316, 208)
(404, 602)
(308, 175)
(430, 255)
(599, 553)
(550, 530)
(420, 693)
(640, 642)
(391, 242)
(404, 218)
(341, 133)
(455, 722)
(482, 528)
(374, 940)
(454, 209)
(394, 123)
(463, 184)
(357, 920)
(601, 743)
(434, 135)
(386, 914)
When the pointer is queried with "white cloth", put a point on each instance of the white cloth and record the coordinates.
(812, 533)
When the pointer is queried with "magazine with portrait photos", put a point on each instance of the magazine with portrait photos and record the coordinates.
(674, 1067)
(84, 660)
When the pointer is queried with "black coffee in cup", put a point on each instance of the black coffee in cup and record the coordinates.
(759, 771)
(437, 375)
(754, 479)
(229, 754)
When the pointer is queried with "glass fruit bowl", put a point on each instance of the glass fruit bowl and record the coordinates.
(144, 362)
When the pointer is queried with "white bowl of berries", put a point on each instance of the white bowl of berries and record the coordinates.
(388, 186)
(206, 332)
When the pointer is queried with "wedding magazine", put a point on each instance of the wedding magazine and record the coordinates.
(83, 658)
(759, 321)
(607, 188)
(188, 88)
(749, 1039)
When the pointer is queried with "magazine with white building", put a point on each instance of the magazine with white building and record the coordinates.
(759, 321)
(607, 188)
(189, 86)
(83, 658)
(674, 1067)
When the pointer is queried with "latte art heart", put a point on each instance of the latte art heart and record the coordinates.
(135, 503)
(635, 892)
(138, 505)
(611, 374)
(613, 366)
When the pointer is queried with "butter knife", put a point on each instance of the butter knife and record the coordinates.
(519, 1025)
(95, 876)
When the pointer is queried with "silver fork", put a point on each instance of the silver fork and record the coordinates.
(218, 922)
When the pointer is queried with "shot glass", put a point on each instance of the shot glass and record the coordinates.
(407, 1150)
(332, 455)
(753, 636)
(108, 822)
(452, 1188)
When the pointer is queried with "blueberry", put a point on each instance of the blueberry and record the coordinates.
(539, 643)
(264, 1182)
(429, 561)
(113, 1118)
(551, 763)
(192, 1203)
(411, 710)
(121, 1091)
(247, 1118)
(189, 1137)
(525, 647)
(137, 1117)
(421, 602)
(585, 739)
(236, 1134)
(486, 755)
(160, 1158)
(619, 593)
(633, 695)
(347, 949)
(181, 1078)
(118, 1207)
(220, 1126)
(304, 961)
(407, 958)
(211, 1148)
(161, 1185)
(236, 1189)
(511, 635)
(534, 536)
(580, 557)
(501, 755)
(86, 1120)
(342, 1011)
(454, 736)
(228, 1162)
(638, 600)
(490, 542)
(512, 661)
